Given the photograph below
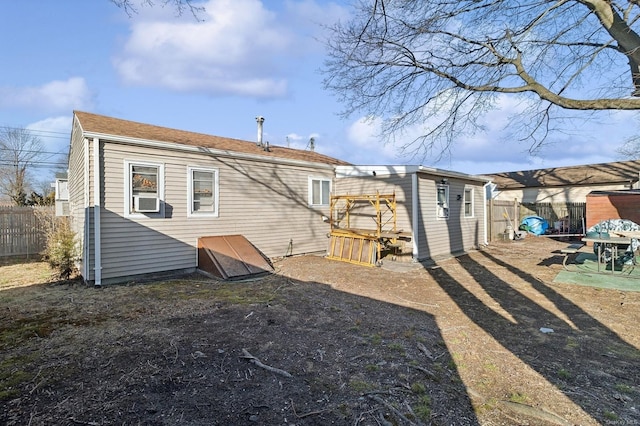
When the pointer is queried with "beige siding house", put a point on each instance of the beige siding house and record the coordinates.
(443, 211)
(565, 184)
(140, 196)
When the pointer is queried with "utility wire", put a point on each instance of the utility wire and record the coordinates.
(36, 130)
(48, 134)
(32, 151)
(33, 164)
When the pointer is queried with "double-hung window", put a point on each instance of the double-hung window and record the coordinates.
(319, 191)
(468, 202)
(442, 208)
(144, 188)
(203, 192)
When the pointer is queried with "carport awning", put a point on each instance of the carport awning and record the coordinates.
(231, 257)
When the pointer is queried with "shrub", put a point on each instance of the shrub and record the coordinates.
(61, 251)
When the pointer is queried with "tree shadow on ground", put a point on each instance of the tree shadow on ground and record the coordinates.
(173, 352)
(583, 358)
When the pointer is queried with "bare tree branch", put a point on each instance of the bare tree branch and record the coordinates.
(19, 152)
(180, 6)
(443, 63)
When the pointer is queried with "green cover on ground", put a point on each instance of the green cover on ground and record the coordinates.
(584, 271)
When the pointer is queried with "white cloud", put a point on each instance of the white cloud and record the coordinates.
(58, 95)
(294, 137)
(310, 19)
(60, 124)
(492, 149)
(54, 132)
(364, 145)
(238, 48)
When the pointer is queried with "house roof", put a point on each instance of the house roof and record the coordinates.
(590, 174)
(100, 124)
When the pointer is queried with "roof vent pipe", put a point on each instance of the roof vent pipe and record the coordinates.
(260, 120)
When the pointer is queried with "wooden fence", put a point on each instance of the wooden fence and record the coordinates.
(23, 230)
(569, 217)
(502, 214)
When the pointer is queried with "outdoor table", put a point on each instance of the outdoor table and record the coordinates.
(613, 241)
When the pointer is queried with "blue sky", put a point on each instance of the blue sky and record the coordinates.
(246, 58)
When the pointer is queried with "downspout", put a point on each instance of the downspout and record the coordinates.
(484, 211)
(86, 257)
(414, 214)
(96, 212)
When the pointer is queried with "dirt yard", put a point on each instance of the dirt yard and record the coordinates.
(324, 342)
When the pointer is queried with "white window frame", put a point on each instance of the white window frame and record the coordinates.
(442, 210)
(321, 180)
(190, 200)
(469, 202)
(128, 189)
(62, 190)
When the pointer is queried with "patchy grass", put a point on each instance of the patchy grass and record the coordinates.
(170, 351)
(21, 271)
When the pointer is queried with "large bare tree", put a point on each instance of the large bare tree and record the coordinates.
(20, 152)
(180, 6)
(443, 64)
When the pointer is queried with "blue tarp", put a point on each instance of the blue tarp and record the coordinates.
(534, 224)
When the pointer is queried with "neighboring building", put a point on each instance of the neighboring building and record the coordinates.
(605, 205)
(141, 197)
(565, 184)
(61, 188)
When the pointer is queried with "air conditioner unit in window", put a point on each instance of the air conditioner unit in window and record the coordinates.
(146, 204)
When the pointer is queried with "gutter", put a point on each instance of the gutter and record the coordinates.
(86, 258)
(415, 200)
(485, 187)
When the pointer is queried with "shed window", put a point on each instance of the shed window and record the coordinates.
(203, 192)
(319, 192)
(468, 202)
(443, 202)
(144, 188)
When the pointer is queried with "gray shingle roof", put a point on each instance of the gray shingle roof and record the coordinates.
(591, 174)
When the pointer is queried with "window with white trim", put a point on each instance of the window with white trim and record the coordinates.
(442, 208)
(203, 192)
(468, 202)
(319, 191)
(62, 189)
(144, 188)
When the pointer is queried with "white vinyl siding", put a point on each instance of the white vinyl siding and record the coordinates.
(441, 238)
(398, 184)
(202, 192)
(78, 203)
(319, 191)
(265, 202)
